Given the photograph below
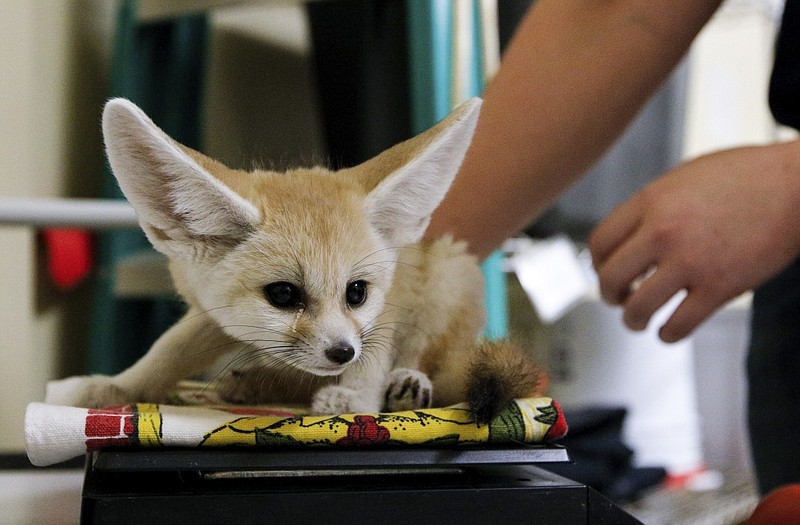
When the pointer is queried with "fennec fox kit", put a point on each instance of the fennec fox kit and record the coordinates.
(314, 281)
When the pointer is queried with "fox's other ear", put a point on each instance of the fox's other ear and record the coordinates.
(415, 176)
(182, 208)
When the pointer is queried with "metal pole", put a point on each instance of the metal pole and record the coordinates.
(96, 214)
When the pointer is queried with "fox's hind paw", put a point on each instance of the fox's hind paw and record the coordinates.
(239, 387)
(407, 390)
(86, 392)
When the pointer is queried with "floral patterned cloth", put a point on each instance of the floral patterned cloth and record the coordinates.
(57, 433)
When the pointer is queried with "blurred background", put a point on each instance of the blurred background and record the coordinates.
(280, 84)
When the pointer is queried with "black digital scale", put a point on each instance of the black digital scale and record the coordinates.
(392, 486)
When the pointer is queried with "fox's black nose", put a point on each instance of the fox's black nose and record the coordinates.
(341, 353)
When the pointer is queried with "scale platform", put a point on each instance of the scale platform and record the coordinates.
(403, 486)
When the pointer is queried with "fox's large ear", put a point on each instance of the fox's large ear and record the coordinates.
(183, 209)
(415, 176)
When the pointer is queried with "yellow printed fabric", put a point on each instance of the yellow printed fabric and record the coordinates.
(56, 433)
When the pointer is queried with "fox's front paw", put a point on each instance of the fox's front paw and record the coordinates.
(336, 399)
(239, 387)
(407, 390)
(86, 392)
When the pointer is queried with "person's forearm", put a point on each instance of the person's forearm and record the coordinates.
(573, 77)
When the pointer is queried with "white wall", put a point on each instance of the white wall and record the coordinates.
(54, 56)
(730, 64)
(56, 62)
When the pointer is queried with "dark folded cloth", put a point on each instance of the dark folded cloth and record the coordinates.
(601, 459)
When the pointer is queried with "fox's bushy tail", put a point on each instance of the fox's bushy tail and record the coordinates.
(497, 373)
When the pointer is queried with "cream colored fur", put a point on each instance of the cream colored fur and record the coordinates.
(229, 233)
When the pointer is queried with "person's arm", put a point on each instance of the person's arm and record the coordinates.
(715, 227)
(573, 77)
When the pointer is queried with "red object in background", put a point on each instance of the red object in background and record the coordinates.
(781, 506)
(69, 256)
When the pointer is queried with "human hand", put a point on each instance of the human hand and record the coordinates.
(715, 227)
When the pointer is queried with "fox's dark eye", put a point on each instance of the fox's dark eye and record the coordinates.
(356, 293)
(283, 294)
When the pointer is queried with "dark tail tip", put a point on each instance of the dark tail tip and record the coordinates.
(487, 395)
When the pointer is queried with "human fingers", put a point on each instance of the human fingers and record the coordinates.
(695, 308)
(649, 295)
(614, 230)
(624, 266)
